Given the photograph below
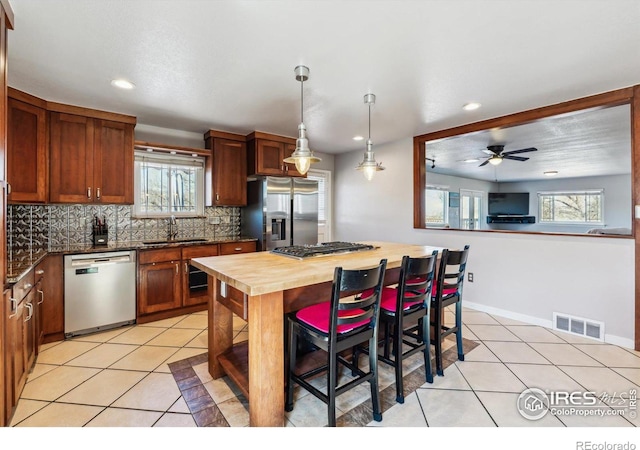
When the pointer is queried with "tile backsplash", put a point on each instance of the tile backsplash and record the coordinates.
(58, 227)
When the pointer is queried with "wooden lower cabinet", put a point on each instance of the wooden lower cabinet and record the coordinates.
(20, 349)
(159, 287)
(168, 285)
(51, 308)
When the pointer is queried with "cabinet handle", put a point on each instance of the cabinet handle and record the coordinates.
(39, 272)
(238, 249)
(98, 193)
(41, 297)
(8, 188)
(89, 192)
(186, 268)
(30, 308)
(217, 197)
(14, 307)
(28, 286)
(177, 268)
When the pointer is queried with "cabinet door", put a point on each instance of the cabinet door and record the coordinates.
(52, 308)
(4, 350)
(229, 173)
(113, 162)
(71, 153)
(15, 361)
(29, 329)
(269, 156)
(27, 152)
(159, 287)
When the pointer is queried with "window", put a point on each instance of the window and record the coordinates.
(168, 185)
(324, 202)
(575, 207)
(436, 206)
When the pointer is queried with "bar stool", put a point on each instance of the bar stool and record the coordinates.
(448, 291)
(335, 326)
(405, 316)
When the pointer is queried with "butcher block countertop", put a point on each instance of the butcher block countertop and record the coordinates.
(263, 272)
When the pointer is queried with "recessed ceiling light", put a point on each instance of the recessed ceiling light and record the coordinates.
(358, 138)
(122, 84)
(471, 106)
(149, 149)
(471, 160)
(551, 173)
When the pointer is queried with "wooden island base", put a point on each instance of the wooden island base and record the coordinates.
(273, 285)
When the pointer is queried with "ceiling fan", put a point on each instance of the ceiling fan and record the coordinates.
(497, 154)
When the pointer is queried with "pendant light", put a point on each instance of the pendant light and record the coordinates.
(302, 156)
(369, 166)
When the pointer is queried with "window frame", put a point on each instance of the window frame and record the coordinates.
(198, 161)
(445, 206)
(584, 192)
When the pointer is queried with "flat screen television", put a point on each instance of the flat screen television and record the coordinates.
(508, 203)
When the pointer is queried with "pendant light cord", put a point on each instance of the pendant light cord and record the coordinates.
(369, 121)
(301, 100)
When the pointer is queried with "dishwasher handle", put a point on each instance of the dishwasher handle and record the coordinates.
(100, 261)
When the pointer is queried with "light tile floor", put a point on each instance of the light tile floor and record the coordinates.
(121, 378)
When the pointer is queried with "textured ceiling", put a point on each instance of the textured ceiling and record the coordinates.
(589, 143)
(229, 65)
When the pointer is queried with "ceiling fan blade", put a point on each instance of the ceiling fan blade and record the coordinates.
(515, 158)
(484, 163)
(488, 152)
(523, 150)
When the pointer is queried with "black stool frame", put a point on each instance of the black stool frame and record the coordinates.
(345, 282)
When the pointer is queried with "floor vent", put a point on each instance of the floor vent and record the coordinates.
(577, 325)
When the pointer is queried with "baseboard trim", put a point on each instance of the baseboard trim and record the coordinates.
(608, 338)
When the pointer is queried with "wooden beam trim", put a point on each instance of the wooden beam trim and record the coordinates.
(88, 112)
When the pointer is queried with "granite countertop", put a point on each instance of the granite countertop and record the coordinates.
(20, 261)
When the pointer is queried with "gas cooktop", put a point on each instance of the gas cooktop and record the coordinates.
(322, 249)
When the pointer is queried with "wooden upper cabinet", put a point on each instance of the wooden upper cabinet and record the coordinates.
(71, 153)
(27, 152)
(266, 154)
(228, 167)
(113, 162)
(91, 159)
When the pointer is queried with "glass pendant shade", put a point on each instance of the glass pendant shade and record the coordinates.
(302, 156)
(495, 160)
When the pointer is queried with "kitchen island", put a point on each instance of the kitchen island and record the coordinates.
(262, 287)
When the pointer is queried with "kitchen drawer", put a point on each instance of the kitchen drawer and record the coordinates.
(199, 251)
(229, 248)
(23, 286)
(160, 255)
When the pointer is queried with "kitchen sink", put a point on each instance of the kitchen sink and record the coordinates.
(173, 241)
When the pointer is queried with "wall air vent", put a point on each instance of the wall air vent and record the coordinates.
(587, 328)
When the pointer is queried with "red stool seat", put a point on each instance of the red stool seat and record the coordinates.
(317, 316)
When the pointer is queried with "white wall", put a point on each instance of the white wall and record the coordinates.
(526, 277)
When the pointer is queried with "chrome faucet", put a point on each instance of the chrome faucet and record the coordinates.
(173, 228)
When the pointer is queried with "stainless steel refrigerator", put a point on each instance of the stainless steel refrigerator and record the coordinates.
(281, 211)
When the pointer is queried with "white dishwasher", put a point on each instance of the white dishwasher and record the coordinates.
(99, 291)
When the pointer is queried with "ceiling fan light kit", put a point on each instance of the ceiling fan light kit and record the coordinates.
(302, 156)
(369, 166)
(497, 154)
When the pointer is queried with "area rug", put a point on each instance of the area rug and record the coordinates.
(206, 413)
